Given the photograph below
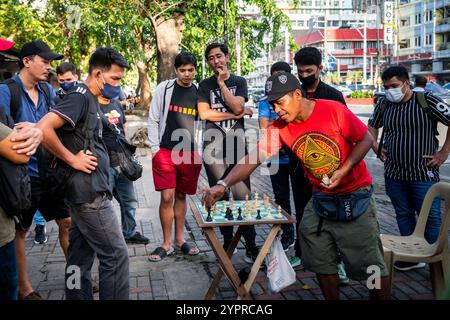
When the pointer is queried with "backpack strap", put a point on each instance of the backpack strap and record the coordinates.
(422, 100)
(16, 95)
(383, 104)
(44, 87)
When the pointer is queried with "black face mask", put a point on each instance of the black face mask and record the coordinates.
(309, 80)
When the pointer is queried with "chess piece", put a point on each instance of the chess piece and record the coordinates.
(214, 208)
(209, 218)
(239, 217)
(230, 215)
(266, 201)
(269, 214)
(258, 216)
(231, 203)
(224, 206)
(255, 201)
(325, 180)
(280, 215)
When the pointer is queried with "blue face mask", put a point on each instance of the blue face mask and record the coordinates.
(108, 90)
(67, 85)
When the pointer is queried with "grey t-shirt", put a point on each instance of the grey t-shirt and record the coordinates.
(7, 229)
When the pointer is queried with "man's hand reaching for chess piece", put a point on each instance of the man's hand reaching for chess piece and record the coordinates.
(212, 195)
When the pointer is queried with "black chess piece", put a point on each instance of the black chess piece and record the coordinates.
(230, 214)
(209, 218)
(258, 216)
(239, 217)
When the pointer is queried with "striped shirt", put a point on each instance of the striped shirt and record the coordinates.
(410, 133)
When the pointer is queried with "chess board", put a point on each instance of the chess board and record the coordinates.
(219, 215)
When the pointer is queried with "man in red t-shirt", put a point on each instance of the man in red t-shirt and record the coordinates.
(331, 143)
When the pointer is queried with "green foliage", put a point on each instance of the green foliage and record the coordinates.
(361, 94)
(128, 25)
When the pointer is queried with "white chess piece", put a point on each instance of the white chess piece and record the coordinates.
(279, 212)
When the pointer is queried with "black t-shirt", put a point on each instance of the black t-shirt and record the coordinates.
(325, 91)
(230, 129)
(181, 118)
(112, 115)
(74, 108)
(237, 86)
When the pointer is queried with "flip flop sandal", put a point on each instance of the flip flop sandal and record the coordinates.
(161, 253)
(189, 249)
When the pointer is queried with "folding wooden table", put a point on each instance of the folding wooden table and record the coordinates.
(224, 258)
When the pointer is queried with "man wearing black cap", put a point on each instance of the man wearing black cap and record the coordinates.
(27, 98)
(330, 142)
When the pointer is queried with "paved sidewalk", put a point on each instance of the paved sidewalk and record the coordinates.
(181, 277)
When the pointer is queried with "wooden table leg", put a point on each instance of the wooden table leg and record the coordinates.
(260, 258)
(225, 263)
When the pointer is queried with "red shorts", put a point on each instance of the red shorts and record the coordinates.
(175, 169)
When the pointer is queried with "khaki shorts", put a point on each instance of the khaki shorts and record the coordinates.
(357, 241)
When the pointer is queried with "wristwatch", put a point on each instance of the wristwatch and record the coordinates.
(222, 183)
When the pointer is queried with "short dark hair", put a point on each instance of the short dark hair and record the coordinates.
(280, 66)
(308, 55)
(105, 57)
(66, 67)
(21, 64)
(395, 71)
(185, 58)
(213, 45)
(420, 81)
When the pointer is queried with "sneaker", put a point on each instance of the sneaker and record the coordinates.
(137, 238)
(40, 237)
(343, 279)
(295, 261)
(287, 243)
(250, 256)
(405, 266)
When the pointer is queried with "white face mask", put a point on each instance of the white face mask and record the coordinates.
(395, 94)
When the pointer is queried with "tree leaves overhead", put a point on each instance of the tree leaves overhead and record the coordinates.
(129, 26)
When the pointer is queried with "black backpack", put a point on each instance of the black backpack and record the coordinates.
(15, 189)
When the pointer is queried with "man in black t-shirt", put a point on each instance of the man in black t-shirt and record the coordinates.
(121, 187)
(95, 229)
(175, 142)
(222, 100)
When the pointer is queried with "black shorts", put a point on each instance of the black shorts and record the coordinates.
(51, 208)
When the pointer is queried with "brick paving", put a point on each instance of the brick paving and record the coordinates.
(180, 277)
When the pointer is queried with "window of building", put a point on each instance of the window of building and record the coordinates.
(335, 23)
(342, 45)
(336, 4)
(301, 23)
(358, 45)
(318, 3)
(429, 39)
(346, 61)
(418, 18)
(417, 41)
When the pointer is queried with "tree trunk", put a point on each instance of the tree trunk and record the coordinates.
(168, 38)
(144, 82)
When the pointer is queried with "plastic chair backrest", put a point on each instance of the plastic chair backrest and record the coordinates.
(442, 190)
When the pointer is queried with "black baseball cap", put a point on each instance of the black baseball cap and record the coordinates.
(279, 85)
(40, 48)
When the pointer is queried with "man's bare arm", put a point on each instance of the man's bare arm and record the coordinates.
(206, 113)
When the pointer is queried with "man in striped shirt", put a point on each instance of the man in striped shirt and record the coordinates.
(410, 151)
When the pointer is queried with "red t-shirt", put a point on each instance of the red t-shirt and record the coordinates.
(322, 143)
